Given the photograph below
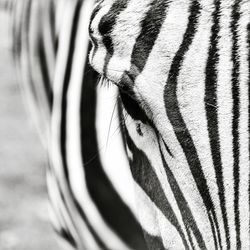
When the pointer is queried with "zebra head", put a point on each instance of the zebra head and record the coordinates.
(182, 69)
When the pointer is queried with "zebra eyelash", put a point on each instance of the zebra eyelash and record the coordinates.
(127, 99)
(104, 81)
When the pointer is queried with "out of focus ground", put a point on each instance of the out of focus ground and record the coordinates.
(24, 223)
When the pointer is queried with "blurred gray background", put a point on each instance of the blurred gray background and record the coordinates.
(24, 222)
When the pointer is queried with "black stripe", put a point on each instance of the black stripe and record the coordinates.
(114, 211)
(62, 196)
(121, 122)
(18, 22)
(145, 176)
(150, 29)
(184, 208)
(210, 100)
(153, 242)
(132, 107)
(236, 114)
(176, 119)
(45, 74)
(52, 22)
(95, 10)
(106, 25)
(64, 124)
(65, 234)
(16, 33)
(66, 85)
(93, 40)
(58, 213)
(25, 44)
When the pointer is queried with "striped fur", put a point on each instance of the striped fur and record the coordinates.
(34, 40)
(91, 193)
(95, 200)
(182, 68)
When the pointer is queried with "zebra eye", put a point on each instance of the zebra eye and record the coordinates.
(128, 100)
(132, 107)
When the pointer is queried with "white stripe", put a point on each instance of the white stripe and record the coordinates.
(151, 88)
(148, 213)
(58, 215)
(76, 174)
(224, 98)
(57, 90)
(34, 34)
(98, 60)
(190, 94)
(112, 152)
(244, 126)
(49, 42)
(60, 12)
(88, 240)
(126, 30)
(25, 72)
(155, 223)
(148, 144)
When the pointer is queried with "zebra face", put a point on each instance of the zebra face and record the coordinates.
(182, 68)
(123, 35)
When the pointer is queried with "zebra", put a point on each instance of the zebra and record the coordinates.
(180, 73)
(182, 68)
(88, 203)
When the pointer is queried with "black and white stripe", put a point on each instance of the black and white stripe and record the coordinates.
(182, 109)
(182, 68)
(90, 206)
